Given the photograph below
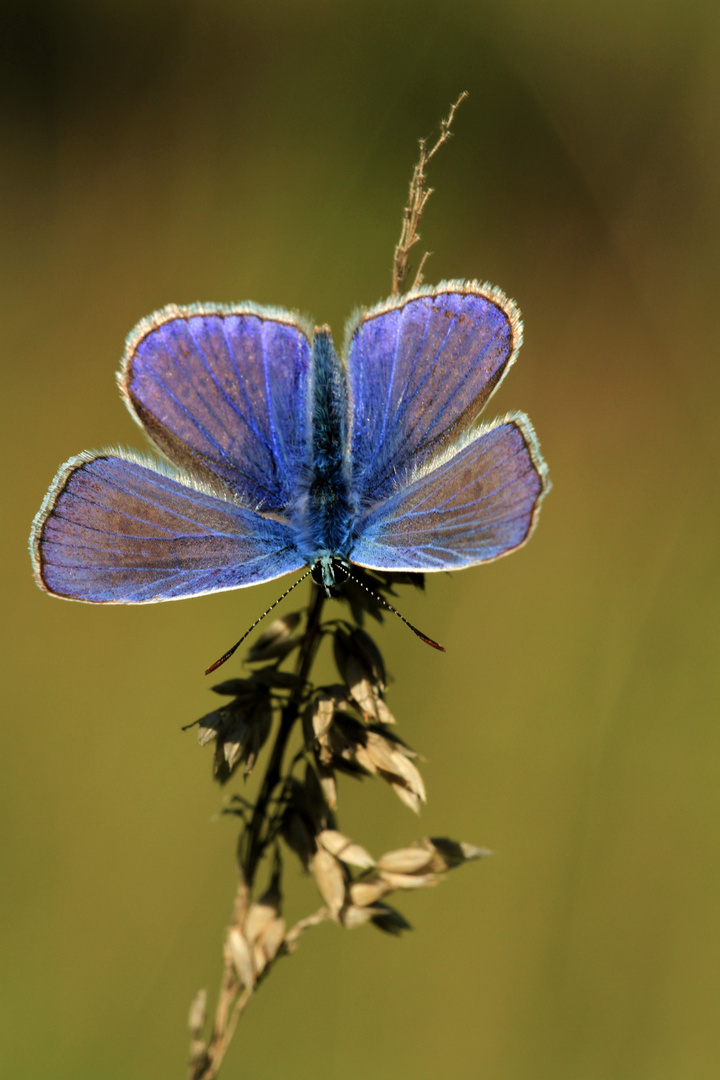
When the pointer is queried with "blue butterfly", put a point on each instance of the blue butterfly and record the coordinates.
(282, 456)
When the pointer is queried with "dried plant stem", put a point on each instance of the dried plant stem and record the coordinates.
(222, 1039)
(418, 197)
(232, 998)
(253, 848)
(226, 1020)
(345, 728)
(304, 924)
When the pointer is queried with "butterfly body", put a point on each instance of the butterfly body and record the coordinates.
(283, 455)
(329, 509)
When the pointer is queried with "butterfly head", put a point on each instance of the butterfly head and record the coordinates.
(330, 573)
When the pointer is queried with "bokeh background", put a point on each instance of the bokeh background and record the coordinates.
(166, 151)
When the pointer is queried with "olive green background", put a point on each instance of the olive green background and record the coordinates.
(157, 152)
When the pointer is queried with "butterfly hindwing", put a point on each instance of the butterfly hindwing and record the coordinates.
(472, 503)
(112, 530)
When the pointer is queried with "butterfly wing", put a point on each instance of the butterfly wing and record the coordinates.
(473, 502)
(222, 391)
(112, 530)
(420, 368)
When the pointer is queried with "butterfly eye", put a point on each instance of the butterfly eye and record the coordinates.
(341, 571)
(316, 573)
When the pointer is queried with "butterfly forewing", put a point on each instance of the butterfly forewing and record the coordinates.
(222, 392)
(420, 368)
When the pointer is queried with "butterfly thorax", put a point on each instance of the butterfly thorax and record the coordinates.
(329, 511)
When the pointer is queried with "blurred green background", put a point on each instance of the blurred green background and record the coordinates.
(158, 151)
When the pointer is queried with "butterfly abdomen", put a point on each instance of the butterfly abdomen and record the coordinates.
(329, 509)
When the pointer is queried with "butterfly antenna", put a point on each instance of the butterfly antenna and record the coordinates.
(228, 654)
(385, 604)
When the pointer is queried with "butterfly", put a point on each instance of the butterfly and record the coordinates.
(278, 455)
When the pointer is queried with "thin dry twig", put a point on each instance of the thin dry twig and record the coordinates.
(417, 199)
